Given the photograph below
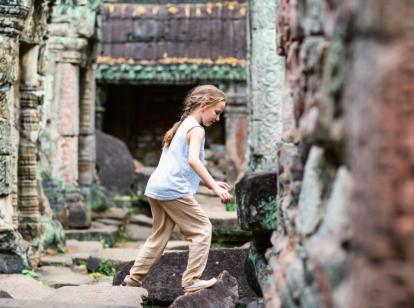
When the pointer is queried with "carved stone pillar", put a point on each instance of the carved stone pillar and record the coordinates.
(74, 99)
(236, 130)
(29, 213)
(266, 75)
(87, 148)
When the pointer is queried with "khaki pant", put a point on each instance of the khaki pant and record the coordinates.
(194, 225)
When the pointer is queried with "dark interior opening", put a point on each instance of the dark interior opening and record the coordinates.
(140, 116)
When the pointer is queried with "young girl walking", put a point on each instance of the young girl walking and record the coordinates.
(172, 186)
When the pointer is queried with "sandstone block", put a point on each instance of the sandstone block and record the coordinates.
(115, 164)
(223, 294)
(256, 201)
(78, 216)
(23, 287)
(99, 295)
(11, 263)
(317, 179)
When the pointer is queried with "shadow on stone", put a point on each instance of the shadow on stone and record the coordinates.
(4, 294)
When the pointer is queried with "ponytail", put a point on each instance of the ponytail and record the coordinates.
(169, 135)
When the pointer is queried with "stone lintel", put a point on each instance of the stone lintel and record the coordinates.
(168, 73)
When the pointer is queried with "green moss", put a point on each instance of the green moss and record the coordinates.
(269, 209)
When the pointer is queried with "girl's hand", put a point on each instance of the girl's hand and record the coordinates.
(224, 185)
(222, 193)
(221, 184)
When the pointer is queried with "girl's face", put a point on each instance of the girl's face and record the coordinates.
(211, 114)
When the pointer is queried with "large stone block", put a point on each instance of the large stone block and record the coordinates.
(164, 281)
(223, 294)
(11, 263)
(294, 281)
(328, 246)
(78, 215)
(256, 201)
(317, 180)
(115, 164)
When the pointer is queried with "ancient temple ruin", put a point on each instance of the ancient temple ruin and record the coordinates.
(318, 132)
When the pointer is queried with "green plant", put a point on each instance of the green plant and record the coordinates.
(60, 249)
(96, 276)
(107, 268)
(230, 207)
(30, 273)
(105, 243)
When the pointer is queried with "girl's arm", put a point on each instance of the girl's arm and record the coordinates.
(195, 138)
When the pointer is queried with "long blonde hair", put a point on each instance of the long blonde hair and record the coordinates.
(208, 94)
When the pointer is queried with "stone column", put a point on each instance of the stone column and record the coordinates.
(266, 75)
(87, 148)
(236, 130)
(72, 47)
(29, 213)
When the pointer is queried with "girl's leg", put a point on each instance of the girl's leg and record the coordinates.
(196, 226)
(162, 227)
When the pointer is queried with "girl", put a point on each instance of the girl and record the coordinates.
(171, 188)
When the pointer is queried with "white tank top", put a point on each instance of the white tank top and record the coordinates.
(174, 178)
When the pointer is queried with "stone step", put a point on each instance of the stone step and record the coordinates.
(118, 256)
(141, 219)
(56, 260)
(171, 245)
(24, 287)
(109, 221)
(99, 295)
(57, 277)
(106, 233)
(115, 213)
(73, 246)
(21, 303)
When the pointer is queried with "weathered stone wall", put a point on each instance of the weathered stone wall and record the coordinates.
(30, 100)
(342, 232)
(311, 242)
(22, 26)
